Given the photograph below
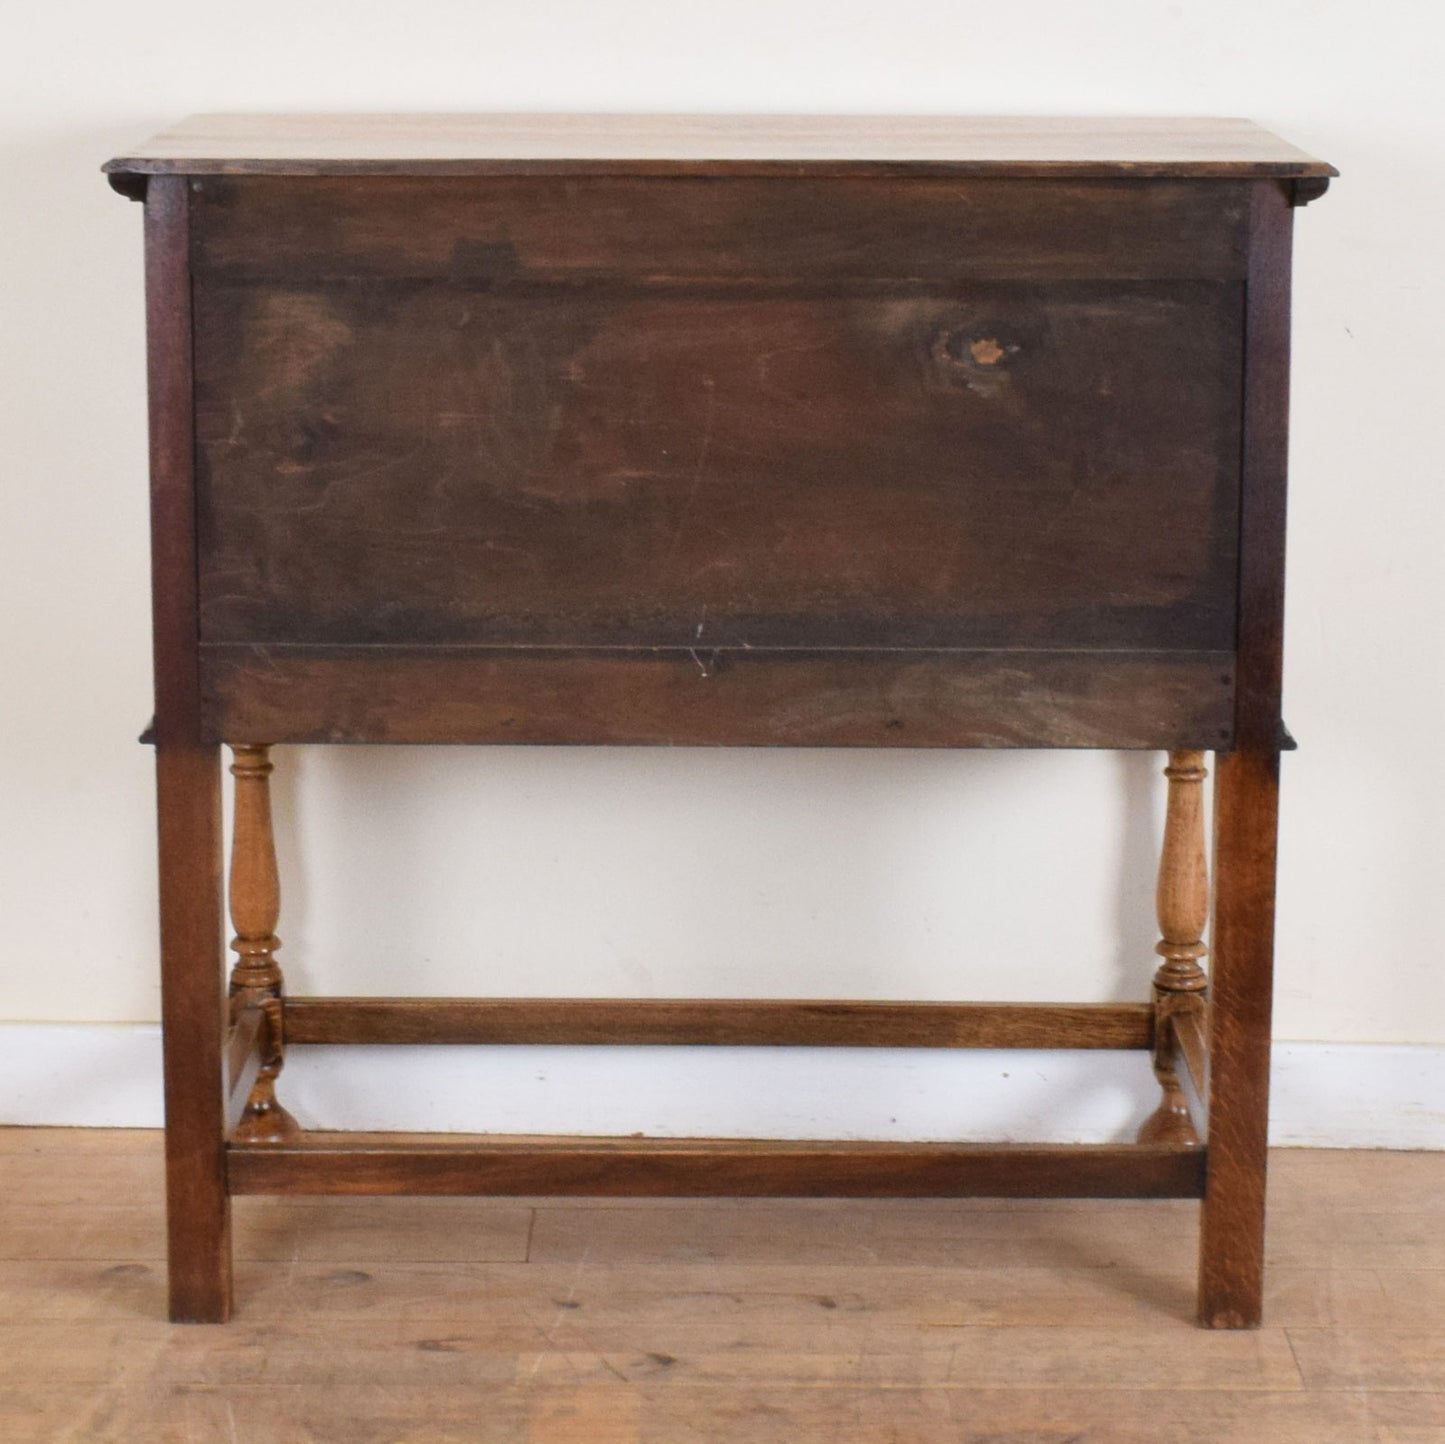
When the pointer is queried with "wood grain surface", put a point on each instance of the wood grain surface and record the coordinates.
(1180, 985)
(688, 1323)
(674, 436)
(171, 394)
(253, 893)
(715, 696)
(193, 1024)
(1246, 808)
(374, 1163)
(1015, 466)
(478, 144)
(736, 1022)
(509, 232)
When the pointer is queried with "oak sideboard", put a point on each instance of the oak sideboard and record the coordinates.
(692, 431)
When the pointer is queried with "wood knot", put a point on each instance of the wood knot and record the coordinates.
(979, 358)
(964, 348)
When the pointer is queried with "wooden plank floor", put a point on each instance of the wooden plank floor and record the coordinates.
(579, 1322)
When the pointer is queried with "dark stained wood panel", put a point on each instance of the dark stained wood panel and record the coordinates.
(705, 697)
(509, 231)
(174, 604)
(725, 1022)
(725, 144)
(371, 1163)
(1006, 465)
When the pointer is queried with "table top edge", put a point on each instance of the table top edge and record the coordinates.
(611, 144)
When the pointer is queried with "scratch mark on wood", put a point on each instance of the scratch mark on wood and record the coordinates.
(699, 470)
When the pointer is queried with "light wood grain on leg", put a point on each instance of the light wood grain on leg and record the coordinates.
(256, 981)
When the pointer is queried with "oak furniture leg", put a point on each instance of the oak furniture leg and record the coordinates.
(1246, 806)
(1231, 1240)
(193, 1009)
(1182, 900)
(255, 896)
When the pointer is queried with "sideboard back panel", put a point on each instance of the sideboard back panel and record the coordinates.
(498, 230)
(683, 416)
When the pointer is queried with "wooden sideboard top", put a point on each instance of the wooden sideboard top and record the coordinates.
(732, 144)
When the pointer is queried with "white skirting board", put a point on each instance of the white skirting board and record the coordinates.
(1325, 1095)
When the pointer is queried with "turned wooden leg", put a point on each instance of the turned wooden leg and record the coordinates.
(256, 980)
(1183, 904)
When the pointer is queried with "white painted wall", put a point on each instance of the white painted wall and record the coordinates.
(864, 874)
(1322, 1095)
